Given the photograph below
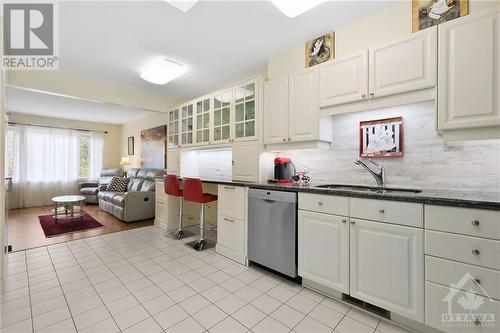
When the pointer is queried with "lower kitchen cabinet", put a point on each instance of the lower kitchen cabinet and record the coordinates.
(323, 249)
(387, 267)
(232, 223)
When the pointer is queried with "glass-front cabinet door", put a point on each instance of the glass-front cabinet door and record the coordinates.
(245, 111)
(187, 124)
(203, 111)
(173, 128)
(222, 116)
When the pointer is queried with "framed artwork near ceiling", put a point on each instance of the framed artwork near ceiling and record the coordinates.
(381, 138)
(320, 49)
(154, 147)
(130, 145)
(426, 13)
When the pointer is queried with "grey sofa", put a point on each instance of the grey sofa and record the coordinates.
(138, 203)
(89, 190)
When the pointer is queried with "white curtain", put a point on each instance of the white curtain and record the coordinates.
(46, 164)
(96, 154)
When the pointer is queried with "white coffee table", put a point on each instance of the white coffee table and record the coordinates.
(65, 207)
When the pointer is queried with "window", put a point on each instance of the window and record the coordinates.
(84, 156)
(10, 145)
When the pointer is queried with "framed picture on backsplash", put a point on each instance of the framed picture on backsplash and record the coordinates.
(381, 137)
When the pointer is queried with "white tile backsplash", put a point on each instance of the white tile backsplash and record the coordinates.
(428, 161)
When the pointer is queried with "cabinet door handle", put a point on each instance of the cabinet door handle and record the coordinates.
(363, 95)
(476, 252)
(353, 223)
(320, 203)
(475, 223)
(232, 162)
(344, 221)
(229, 187)
(372, 93)
(228, 220)
(381, 211)
(289, 139)
(284, 139)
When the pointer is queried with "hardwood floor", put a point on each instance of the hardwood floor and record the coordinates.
(24, 230)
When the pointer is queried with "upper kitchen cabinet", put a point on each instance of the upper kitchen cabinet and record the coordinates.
(245, 111)
(469, 77)
(187, 121)
(303, 109)
(222, 116)
(405, 65)
(353, 85)
(276, 110)
(401, 72)
(203, 112)
(173, 128)
(291, 112)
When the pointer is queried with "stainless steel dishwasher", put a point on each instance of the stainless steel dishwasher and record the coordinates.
(272, 230)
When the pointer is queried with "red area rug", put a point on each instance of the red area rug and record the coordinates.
(64, 226)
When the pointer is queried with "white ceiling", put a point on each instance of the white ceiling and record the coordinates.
(42, 104)
(220, 41)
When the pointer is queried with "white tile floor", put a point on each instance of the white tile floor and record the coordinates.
(140, 281)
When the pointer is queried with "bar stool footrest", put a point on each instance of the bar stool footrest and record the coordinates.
(179, 234)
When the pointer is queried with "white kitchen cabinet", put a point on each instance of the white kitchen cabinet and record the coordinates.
(173, 128)
(246, 161)
(344, 80)
(222, 116)
(166, 208)
(276, 110)
(187, 124)
(387, 267)
(469, 74)
(323, 249)
(291, 112)
(404, 65)
(203, 120)
(303, 110)
(246, 110)
(173, 161)
(232, 217)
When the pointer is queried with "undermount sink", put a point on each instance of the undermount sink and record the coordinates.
(369, 188)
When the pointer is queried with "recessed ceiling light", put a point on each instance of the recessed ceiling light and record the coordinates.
(183, 5)
(161, 71)
(292, 8)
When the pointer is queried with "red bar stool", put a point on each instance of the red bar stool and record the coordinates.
(171, 186)
(192, 191)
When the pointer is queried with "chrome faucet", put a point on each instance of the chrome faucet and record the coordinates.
(378, 174)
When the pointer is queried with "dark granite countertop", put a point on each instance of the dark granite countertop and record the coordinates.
(482, 200)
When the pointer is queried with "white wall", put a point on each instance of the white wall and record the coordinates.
(112, 140)
(382, 27)
(428, 161)
(134, 129)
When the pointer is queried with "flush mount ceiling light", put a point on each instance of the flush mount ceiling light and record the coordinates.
(183, 5)
(292, 8)
(161, 71)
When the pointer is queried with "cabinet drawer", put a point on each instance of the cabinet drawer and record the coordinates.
(405, 213)
(232, 201)
(161, 209)
(437, 308)
(482, 281)
(472, 250)
(321, 203)
(231, 233)
(473, 222)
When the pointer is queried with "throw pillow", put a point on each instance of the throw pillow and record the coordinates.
(117, 184)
